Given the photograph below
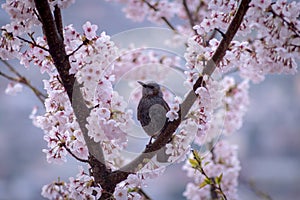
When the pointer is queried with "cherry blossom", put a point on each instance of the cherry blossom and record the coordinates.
(172, 114)
(89, 30)
(81, 187)
(267, 43)
(13, 88)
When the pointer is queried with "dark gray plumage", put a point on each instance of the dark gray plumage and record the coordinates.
(152, 109)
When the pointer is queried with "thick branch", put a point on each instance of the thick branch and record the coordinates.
(171, 127)
(58, 20)
(56, 45)
(53, 31)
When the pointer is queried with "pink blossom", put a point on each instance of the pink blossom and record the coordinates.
(89, 30)
(13, 88)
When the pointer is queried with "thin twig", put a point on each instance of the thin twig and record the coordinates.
(32, 43)
(9, 77)
(215, 186)
(37, 93)
(23, 80)
(142, 192)
(11, 68)
(163, 18)
(72, 154)
(259, 192)
(290, 25)
(63, 144)
(189, 14)
(73, 52)
(37, 15)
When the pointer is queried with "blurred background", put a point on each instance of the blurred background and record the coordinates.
(269, 141)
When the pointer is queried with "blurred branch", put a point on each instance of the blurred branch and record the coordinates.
(23, 80)
(163, 18)
(9, 77)
(37, 15)
(290, 25)
(189, 14)
(259, 192)
(142, 193)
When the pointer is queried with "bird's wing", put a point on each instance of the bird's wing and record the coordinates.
(143, 112)
(158, 117)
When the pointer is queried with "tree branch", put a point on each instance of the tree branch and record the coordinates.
(32, 43)
(74, 51)
(290, 25)
(171, 127)
(58, 20)
(72, 154)
(230, 33)
(52, 30)
(189, 14)
(163, 18)
(143, 193)
(56, 45)
(23, 80)
(9, 77)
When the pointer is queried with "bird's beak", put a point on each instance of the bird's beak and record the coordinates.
(142, 84)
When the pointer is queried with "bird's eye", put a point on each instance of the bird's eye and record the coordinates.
(150, 86)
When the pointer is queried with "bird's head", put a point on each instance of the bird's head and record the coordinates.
(151, 89)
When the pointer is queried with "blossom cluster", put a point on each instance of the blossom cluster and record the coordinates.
(59, 124)
(180, 144)
(81, 187)
(138, 10)
(235, 102)
(197, 54)
(128, 189)
(207, 113)
(172, 114)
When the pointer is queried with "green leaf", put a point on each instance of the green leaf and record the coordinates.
(218, 179)
(203, 184)
(196, 156)
(193, 163)
(208, 181)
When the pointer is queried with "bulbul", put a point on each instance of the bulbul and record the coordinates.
(151, 112)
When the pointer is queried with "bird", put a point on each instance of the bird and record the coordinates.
(151, 113)
(152, 109)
